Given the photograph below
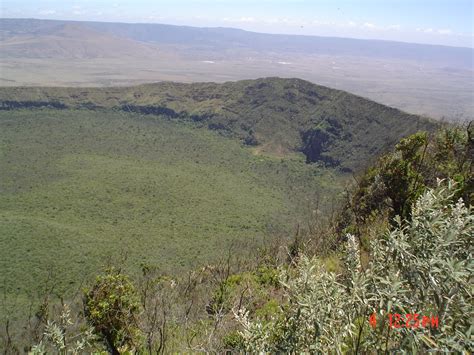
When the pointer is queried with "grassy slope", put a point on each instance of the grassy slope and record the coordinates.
(79, 187)
(279, 114)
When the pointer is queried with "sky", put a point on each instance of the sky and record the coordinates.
(447, 22)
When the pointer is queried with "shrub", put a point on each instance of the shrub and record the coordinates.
(232, 341)
(422, 266)
(60, 337)
(400, 177)
(111, 307)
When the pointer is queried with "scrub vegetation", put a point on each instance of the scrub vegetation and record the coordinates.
(160, 223)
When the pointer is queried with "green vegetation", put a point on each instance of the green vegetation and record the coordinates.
(82, 189)
(112, 307)
(421, 270)
(194, 207)
(62, 336)
(85, 54)
(324, 291)
(411, 255)
(277, 116)
(394, 183)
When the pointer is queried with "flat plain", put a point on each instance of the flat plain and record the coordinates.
(428, 91)
(435, 81)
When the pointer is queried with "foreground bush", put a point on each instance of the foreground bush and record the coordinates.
(60, 337)
(111, 308)
(422, 267)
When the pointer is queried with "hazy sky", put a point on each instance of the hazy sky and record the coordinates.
(447, 22)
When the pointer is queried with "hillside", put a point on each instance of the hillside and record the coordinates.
(80, 189)
(75, 41)
(171, 174)
(428, 80)
(274, 116)
(283, 296)
(230, 42)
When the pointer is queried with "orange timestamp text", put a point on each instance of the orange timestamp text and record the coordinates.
(407, 321)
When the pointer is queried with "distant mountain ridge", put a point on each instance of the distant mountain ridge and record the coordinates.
(73, 40)
(427, 80)
(218, 41)
(273, 115)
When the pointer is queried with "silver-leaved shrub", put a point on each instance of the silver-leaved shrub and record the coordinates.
(423, 266)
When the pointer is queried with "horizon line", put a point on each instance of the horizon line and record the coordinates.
(239, 29)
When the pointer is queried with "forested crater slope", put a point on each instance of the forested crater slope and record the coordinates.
(276, 116)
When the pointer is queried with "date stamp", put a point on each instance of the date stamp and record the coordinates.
(407, 321)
